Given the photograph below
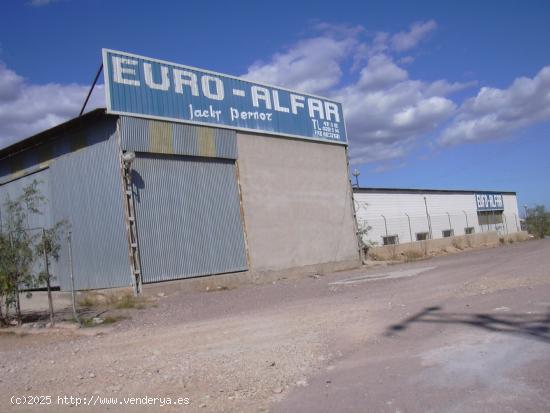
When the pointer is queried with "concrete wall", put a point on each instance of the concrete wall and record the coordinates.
(297, 203)
(436, 246)
(372, 208)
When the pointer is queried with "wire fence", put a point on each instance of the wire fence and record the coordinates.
(384, 230)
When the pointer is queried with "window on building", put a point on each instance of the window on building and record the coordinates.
(448, 233)
(488, 218)
(469, 230)
(390, 240)
(422, 236)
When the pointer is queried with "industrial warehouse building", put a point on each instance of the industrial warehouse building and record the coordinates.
(394, 216)
(152, 196)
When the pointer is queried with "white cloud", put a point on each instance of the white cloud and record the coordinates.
(27, 108)
(10, 84)
(408, 40)
(495, 113)
(40, 3)
(312, 65)
(380, 151)
(387, 120)
(380, 72)
(385, 110)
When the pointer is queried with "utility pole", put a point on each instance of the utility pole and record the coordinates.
(356, 173)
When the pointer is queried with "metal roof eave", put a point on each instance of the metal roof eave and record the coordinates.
(428, 191)
(45, 135)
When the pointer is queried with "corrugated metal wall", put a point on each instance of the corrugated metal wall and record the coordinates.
(188, 217)
(13, 189)
(80, 178)
(143, 135)
(86, 191)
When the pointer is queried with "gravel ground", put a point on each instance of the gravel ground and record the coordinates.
(464, 332)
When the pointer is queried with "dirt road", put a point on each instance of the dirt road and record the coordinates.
(465, 332)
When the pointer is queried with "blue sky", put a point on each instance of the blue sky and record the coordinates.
(436, 94)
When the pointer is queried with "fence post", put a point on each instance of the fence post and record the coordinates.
(17, 298)
(385, 225)
(410, 230)
(47, 269)
(450, 225)
(71, 273)
(428, 218)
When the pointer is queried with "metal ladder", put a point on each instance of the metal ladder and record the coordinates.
(131, 229)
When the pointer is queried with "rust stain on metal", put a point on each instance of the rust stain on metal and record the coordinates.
(207, 143)
(161, 137)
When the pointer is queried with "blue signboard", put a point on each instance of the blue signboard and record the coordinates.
(150, 88)
(489, 202)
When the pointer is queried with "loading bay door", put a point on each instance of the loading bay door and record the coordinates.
(188, 217)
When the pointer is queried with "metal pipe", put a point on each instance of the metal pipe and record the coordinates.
(450, 225)
(91, 89)
(428, 218)
(410, 230)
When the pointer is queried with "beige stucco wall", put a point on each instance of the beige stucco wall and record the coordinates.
(297, 203)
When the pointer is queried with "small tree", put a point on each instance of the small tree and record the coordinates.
(21, 247)
(49, 247)
(362, 233)
(538, 221)
(16, 249)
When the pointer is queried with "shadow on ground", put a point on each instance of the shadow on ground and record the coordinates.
(535, 326)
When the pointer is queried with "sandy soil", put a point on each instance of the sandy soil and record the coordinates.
(463, 332)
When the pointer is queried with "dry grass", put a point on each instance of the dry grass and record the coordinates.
(376, 257)
(412, 255)
(457, 243)
(116, 301)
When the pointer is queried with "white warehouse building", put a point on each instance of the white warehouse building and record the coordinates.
(394, 216)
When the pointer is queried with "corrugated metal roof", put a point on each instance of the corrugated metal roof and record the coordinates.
(52, 133)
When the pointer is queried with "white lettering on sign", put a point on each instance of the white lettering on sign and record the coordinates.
(331, 109)
(221, 100)
(149, 81)
(489, 201)
(260, 93)
(209, 113)
(315, 105)
(244, 115)
(296, 101)
(276, 103)
(119, 71)
(206, 81)
(185, 78)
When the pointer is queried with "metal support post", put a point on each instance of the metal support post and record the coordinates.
(410, 230)
(71, 273)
